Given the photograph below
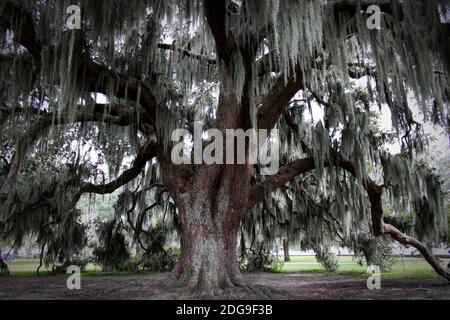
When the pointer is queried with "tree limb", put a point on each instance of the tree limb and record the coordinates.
(277, 100)
(93, 76)
(148, 152)
(216, 14)
(100, 79)
(285, 174)
(100, 115)
(186, 53)
(374, 191)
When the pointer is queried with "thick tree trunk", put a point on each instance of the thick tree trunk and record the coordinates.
(209, 258)
(209, 227)
(212, 200)
(287, 257)
(210, 211)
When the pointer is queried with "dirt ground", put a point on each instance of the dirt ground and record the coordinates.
(283, 286)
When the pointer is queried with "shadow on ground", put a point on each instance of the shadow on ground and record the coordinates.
(283, 286)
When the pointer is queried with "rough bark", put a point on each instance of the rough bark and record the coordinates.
(209, 215)
(209, 258)
(287, 257)
(211, 202)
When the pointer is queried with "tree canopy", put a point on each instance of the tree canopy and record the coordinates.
(78, 104)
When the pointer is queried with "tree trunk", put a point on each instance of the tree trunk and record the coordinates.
(210, 210)
(287, 257)
(209, 226)
(209, 258)
(211, 202)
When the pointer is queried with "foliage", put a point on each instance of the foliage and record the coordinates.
(4, 271)
(76, 260)
(326, 258)
(64, 244)
(401, 220)
(66, 143)
(112, 251)
(161, 261)
(259, 258)
(373, 252)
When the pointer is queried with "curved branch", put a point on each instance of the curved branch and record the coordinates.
(374, 191)
(410, 241)
(216, 14)
(123, 118)
(285, 174)
(282, 92)
(148, 152)
(92, 76)
(187, 53)
(277, 100)
(318, 99)
(98, 78)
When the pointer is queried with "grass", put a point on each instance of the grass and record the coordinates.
(407, 267)
(29, 266)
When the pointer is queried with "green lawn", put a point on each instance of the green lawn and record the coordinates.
(403, 267)
(406, 267)
(25, 267)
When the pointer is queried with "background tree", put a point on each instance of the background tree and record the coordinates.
(149, 58)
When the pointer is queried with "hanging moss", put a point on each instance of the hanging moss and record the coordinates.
(307, 40)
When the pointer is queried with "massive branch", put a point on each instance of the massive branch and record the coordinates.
(187, 53)
(148, 152)
(100, 79)
(277, 100)
(102, 113)
(374, 191)
(92, 76)
(216, 13)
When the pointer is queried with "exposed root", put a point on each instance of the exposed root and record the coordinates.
(188, 286)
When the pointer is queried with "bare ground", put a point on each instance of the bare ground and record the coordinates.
(282, 286)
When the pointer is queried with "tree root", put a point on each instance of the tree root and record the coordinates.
(232, 289)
